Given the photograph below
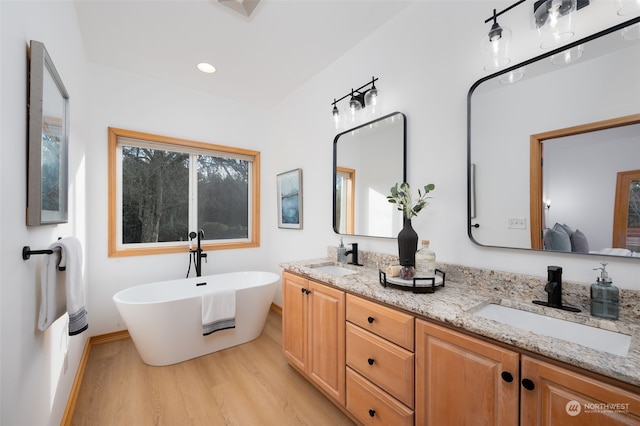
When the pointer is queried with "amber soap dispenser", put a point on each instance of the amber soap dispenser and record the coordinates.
(604, 295)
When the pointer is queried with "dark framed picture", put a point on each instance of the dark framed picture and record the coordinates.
(290, 199)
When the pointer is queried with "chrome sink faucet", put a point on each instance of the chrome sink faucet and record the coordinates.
(554, 290)
(354, 254)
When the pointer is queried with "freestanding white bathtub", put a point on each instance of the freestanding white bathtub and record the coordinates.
(164, 318)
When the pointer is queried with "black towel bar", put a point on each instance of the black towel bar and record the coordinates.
(27, 252)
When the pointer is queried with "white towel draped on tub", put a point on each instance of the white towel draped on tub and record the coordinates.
(218, 310)
(67, 254)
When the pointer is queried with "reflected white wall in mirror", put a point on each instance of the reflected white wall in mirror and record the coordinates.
(368, 161)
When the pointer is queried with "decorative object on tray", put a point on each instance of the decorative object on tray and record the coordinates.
(408, 238)
(417, 284)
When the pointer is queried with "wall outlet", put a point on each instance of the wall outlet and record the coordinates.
(517, 223)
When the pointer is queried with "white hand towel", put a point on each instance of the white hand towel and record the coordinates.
(53, 296)
(71, 260)
(218, 310)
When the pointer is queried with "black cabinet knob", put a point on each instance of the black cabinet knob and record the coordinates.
(370, 319)
(528, 384)
(370, 361)
(302, 290)
(507, 377)
(372, 413)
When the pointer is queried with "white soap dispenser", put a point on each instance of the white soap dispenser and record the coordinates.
(604, 296)
(342, 252)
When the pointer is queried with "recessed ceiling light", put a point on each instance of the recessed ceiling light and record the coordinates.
(205, 67)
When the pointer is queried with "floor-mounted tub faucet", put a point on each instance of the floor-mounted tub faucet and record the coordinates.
(554, 290)
(197, 253)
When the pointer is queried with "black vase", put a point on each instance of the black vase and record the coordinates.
(407, 244)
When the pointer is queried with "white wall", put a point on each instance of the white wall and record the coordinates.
(124, 100)
(427, 76)
(422, 73)
(38, 368)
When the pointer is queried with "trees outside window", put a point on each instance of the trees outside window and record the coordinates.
(162, 188)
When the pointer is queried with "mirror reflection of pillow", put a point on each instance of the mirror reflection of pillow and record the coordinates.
(579, 243)
(557, 239)
(566, 228)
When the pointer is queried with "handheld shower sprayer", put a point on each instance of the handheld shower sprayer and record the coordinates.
(196, 254)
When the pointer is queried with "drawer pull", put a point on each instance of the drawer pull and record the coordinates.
(528, 384)
(507, 377)
(372, 413)
(370, 319)
(370, 361)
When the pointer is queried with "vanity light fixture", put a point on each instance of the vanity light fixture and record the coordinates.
(554, 20)
(360, 98)
(494, 46)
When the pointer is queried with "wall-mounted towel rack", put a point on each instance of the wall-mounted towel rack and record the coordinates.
(27, 252)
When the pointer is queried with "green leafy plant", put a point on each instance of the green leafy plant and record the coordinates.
(401, 196)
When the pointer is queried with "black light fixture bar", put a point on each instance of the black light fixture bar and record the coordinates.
(357, 93)
(495, 15)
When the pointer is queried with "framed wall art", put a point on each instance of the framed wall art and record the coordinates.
(48, 136)
(290, 199)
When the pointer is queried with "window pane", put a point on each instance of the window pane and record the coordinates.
(155, 195)
(223, 197)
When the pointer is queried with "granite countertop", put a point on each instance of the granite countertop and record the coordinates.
(465, 292)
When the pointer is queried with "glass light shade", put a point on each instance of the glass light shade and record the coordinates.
(631, 32)
(372, 102)
(553, 19)
(512, 76)
(495, 49)
(568, 56)
(627, 7)
(336, 116)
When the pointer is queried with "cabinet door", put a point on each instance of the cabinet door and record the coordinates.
(327, 339)
(561, 397)
(460, 380)
(294, 319)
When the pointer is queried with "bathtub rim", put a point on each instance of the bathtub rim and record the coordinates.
(117, 297)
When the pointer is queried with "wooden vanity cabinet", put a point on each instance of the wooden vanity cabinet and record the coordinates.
(557, 396)
(461, 379)
(380, 363)
(313, 332)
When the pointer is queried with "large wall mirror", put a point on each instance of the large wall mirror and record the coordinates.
(367, 161)
(554, 150)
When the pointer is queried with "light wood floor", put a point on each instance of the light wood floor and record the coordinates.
(247, 385)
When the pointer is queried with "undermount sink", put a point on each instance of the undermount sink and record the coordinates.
(335, 270)
(592, 337)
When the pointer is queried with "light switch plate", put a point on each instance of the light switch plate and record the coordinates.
(517, 223)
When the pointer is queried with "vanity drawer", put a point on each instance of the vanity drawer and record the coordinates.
(371, 406)
(395, 326)
(385, 364)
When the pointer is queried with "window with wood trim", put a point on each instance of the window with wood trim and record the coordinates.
(162, 188)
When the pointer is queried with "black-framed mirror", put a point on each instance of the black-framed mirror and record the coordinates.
(48, 112)
(367, 161)
(547, 140)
